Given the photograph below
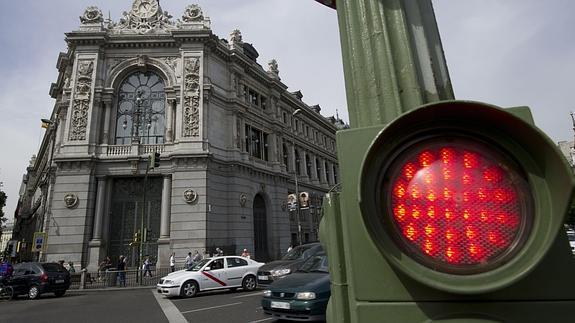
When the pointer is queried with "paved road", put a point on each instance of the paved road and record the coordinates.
(136, 305)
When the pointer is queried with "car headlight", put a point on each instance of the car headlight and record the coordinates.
(305, 295)
(267, 293)
(280, 272)
(168, 282)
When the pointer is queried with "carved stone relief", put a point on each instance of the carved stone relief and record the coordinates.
(190, 196)
(193, 13)
(146, 16)
(81, 102)
(243, 199)
(71, 200)
(192, 95)
(92, 15)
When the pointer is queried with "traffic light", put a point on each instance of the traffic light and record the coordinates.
(135, 239)
(304, 200)
(147, 235)
(154, 160)
(457, 215)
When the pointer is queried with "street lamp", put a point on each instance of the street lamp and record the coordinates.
(295, 180)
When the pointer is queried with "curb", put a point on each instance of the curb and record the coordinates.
(111, 289)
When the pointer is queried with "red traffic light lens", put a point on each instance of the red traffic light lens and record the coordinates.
(457, 205)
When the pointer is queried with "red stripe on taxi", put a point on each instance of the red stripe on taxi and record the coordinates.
(214, 278)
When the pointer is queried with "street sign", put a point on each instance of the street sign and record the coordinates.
(40, 240)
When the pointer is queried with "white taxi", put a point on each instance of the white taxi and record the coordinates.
(225, 272)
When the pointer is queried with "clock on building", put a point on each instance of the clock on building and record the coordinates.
(145, 8)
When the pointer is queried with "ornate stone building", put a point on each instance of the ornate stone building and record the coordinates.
(230, 137)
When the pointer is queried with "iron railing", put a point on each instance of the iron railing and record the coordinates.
(118, 279)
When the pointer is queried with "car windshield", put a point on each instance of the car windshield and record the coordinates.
(300, 252)
(317, 263)
(199, 265)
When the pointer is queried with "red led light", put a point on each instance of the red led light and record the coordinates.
(456, 205)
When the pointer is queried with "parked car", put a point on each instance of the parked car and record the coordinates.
(34, 279)
(303, 295)
(225, 272)
(289, 263)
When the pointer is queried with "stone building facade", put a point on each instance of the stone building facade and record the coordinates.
(229, 134)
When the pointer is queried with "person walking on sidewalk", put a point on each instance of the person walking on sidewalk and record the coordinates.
(146, 267)
(122, 271)
(197, 257)
(189, 261)
(173, 262)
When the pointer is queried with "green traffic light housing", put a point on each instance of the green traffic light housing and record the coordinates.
(154, 160)
(526, 210)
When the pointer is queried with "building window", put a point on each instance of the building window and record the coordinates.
(297, 162)
(141, 109)
(263, 102)
(308, 165)
(285, 156)
(284, 116)
(318, 168)
(256, 143)
(326, 171)
(335, 174)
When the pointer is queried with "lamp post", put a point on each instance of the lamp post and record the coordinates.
(296, 181)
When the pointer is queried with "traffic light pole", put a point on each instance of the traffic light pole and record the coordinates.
(142, 228)
(393, 58)
(298, 206)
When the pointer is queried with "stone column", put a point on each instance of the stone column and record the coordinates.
(171, 107)
(95, 244)
(107, 104)
(166, 204)
(164, 240)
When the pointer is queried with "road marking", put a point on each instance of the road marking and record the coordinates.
(263, 320)
(249, 295)
(170, 310)
(211, 308)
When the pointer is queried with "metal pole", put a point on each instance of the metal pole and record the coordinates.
(296, 183)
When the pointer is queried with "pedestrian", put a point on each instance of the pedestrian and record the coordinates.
(122, 271)
(188, 261)
(197, 257)
(6, 270)
(219, 252)
(173, 262)
(71, 268)
(246, 254)
(104, 266)
(146, 266)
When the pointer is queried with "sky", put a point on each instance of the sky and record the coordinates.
(504, 52)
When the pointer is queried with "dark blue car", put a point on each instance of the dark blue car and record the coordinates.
(303, 295)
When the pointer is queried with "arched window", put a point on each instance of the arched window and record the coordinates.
(141, 109)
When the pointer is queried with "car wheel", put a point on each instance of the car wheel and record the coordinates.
(60, 293)
(249, 283)
(189, 289)
(33, 292)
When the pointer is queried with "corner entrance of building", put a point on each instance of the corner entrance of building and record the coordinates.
(260, 230)
(126, 215)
